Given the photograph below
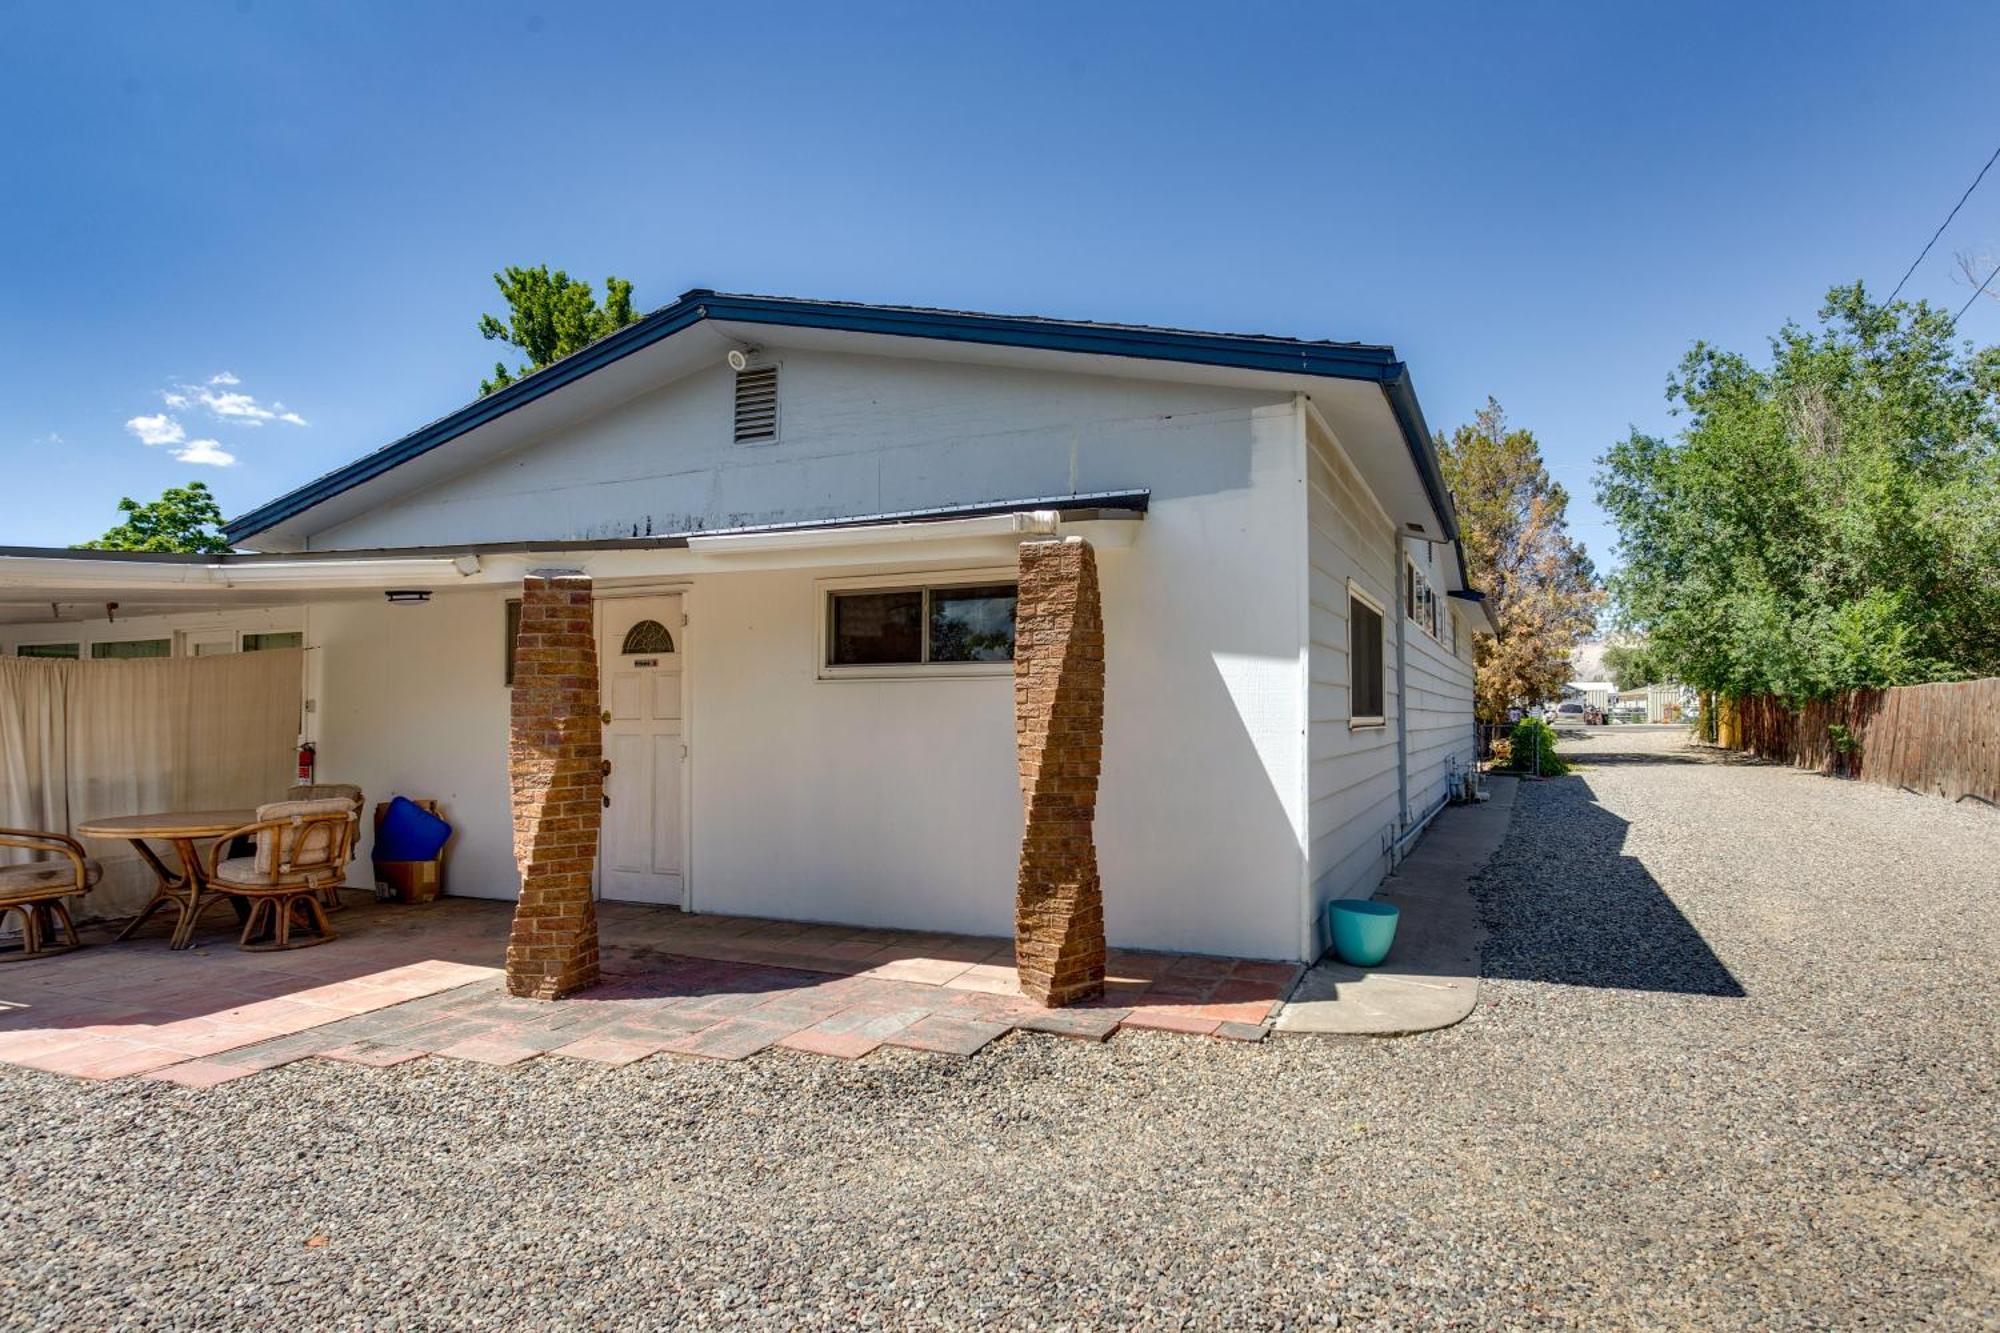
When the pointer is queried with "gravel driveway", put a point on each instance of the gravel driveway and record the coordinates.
(1733, 1065)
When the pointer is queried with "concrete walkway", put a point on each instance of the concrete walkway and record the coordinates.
(1431, 977)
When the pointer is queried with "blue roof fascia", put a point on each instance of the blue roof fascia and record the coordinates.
(1334, 360)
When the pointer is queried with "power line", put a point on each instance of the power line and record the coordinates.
(1976, 295)
(1947, 221)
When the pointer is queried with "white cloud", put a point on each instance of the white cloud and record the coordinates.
(218, 399)
(221, 399)
(208, 452)
(161, 429)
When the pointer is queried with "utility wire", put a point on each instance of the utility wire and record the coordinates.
(1976, 295)
(1947, 221)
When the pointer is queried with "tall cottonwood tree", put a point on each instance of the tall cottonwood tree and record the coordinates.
(549, 316)
(1513, 523)
(1828, 520)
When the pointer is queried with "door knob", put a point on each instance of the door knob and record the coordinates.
(607, 800)
(605, 717)
(604, 766)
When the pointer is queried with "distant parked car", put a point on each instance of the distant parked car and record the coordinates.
(1571, 712)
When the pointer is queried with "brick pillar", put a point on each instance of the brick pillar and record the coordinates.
(1059, 730)
(554, 764)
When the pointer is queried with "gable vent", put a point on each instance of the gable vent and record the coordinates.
(757, 404)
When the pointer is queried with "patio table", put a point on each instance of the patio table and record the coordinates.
(189, 890)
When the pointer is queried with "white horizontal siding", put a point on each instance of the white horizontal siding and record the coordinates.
(1351, 773)
(1439, 734)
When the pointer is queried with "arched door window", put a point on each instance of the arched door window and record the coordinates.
(648, 636)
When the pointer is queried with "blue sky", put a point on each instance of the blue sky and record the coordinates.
(222, 216)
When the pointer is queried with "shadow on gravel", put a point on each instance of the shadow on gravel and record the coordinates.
(1566, 905)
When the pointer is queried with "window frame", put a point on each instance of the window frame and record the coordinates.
(82, 650)
(167, 639)
(1368, 721)
(925, 582)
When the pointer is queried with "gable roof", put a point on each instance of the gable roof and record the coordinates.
(1245, 352)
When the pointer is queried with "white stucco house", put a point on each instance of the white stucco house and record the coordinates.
(800, 519)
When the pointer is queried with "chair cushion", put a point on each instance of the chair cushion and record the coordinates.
(242, 872)
(303, 849)
(322, 791)
(42, 879)
(408, 832)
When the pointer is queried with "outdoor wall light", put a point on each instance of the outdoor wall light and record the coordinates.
(407, 596)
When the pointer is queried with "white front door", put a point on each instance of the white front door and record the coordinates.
(639, 674)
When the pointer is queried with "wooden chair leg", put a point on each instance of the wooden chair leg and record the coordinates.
(59, 917)
(320, 924)
(251, 922)
(26, 911)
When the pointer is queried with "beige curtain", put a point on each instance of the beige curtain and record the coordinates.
(33, 778)
(103, 738)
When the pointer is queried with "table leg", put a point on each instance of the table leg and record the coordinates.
(170, 889)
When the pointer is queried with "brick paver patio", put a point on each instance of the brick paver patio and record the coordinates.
(406, 982)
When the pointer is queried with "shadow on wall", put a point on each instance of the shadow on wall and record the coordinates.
(1566, 905)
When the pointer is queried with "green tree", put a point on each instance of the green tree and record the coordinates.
(1631, 665)
(1828, 521)
(184, 518)
(1513, 523)
(549, 316)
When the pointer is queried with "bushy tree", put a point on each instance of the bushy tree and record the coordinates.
(1828, 521)
(549, 316)
(1631, 665)
(184, 518)
(1513, 523)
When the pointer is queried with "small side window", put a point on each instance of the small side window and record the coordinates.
(66, 650)
(1364, 661)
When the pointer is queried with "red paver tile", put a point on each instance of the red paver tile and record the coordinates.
(840, 1045)
(198, 1073)
(111, 1058)
(1230, 1031)
(1165, 1020)
(927, 971)
(1279, 975)
(607, 1050)
(487, 1049)
(1238, 990)
(948, 1036)
(373, 1055)
(731, 1039)
(1086, 1024)
(1255, 1012)
(990, 978)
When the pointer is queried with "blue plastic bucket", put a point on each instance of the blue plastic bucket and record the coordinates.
(1362, 930)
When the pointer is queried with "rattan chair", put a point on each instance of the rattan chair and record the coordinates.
(36, 892)
(301, 848)
(324, 791)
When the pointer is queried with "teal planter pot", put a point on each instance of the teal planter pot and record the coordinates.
(1362, 930)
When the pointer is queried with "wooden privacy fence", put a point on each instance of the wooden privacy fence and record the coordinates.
(1941, 740)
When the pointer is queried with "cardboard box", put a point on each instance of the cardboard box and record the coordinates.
(409, 881)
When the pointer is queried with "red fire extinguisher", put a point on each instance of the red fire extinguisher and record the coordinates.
(306, 753)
